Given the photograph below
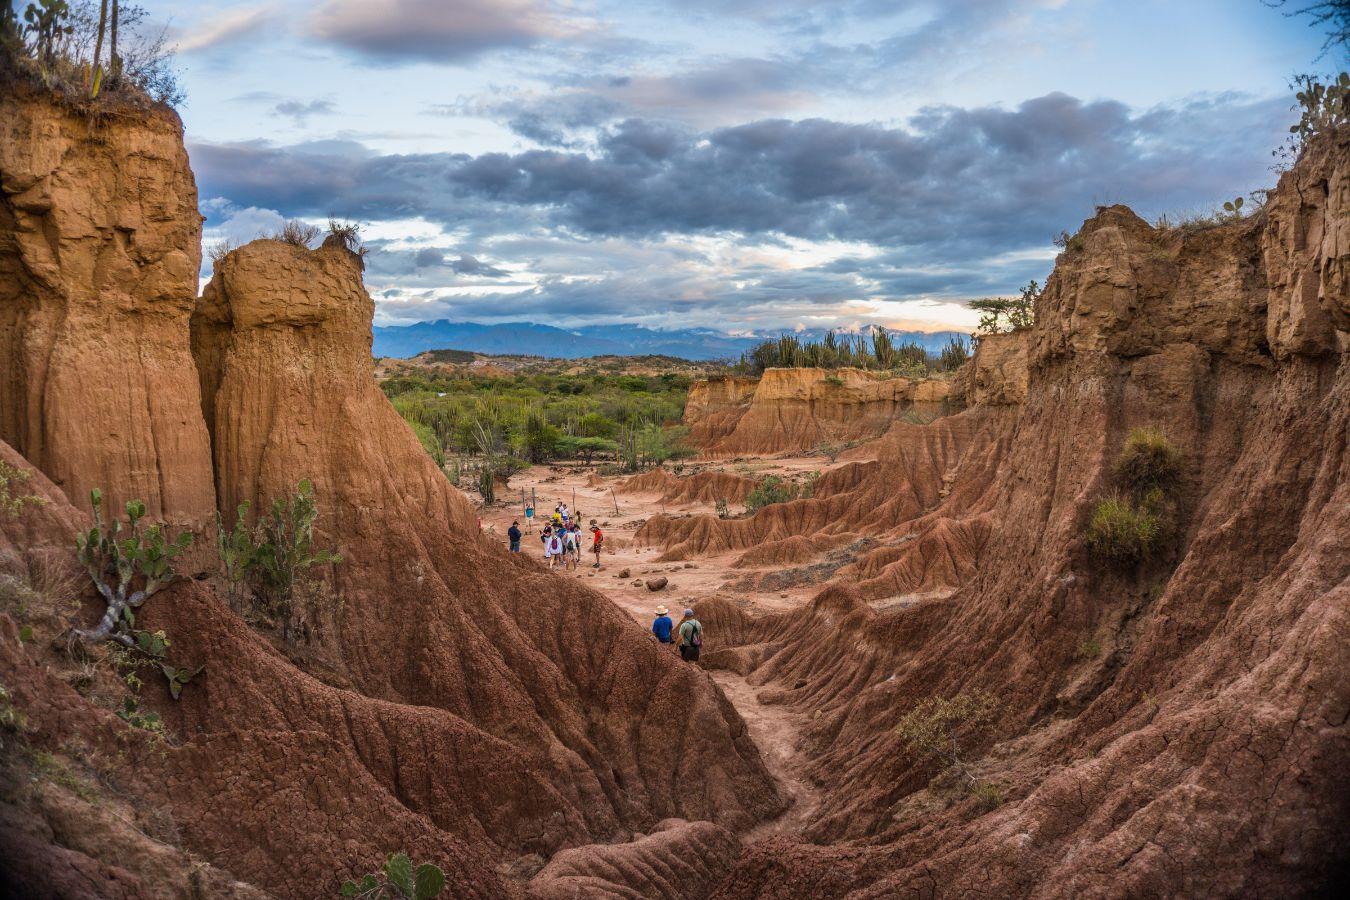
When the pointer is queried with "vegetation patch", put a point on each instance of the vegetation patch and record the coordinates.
(933, 730)
(875, 350)
(774, 489)
(483, 428)
(1134, 524)
(268, 565)
(12, 498)
(398, 880)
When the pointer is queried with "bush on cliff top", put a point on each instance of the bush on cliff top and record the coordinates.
(87, 52)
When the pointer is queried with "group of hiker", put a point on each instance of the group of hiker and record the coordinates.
(687, 636)
(562, 539)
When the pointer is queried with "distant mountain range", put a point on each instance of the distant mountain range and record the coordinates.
(532, 339)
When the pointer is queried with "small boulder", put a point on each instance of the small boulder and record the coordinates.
(624, 573)
(657, 584)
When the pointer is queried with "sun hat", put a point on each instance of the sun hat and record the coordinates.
(661, 610)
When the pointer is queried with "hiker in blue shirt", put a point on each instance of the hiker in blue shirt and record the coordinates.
(662, 626)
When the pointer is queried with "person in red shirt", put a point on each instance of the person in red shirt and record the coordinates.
(598, 538)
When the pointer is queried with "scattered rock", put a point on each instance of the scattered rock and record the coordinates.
(657, 584)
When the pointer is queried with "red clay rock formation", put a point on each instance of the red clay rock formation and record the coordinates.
(996, 374)
(463, 705)
(715, 405)
(522, 672)
(1180, 729)
(700, 487)
(678, 861)
(100, 242)
(793, 410)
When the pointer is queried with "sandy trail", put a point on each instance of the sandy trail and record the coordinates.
(774, 728)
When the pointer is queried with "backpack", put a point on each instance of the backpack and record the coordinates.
(696, 634)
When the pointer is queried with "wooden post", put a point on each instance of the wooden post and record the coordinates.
(616, 501)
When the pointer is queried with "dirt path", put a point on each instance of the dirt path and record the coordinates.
(774, 728)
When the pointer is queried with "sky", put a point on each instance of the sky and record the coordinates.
(743, 165)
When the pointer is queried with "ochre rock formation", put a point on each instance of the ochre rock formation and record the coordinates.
(449, 700)
(1175, 729)
(793, 410)
(996, 374)
(100, 242)
(699, 487)
(714, 405)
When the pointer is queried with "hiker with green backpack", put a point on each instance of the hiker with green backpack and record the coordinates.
(691, 637)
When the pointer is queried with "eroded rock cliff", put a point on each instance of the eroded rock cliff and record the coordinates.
(794, 410)
(100, 243)
(1179, 728)
(453, 701)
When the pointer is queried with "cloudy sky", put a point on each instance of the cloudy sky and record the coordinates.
(737, 164)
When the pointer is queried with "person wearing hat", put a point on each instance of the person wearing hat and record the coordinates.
(663, 626)
(691, 637)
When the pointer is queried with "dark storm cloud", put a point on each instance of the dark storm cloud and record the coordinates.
(399, 31)
(991, 177)
(428, 266)
(951, 202)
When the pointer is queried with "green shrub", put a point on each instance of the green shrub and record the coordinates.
(397, 880)
(931, 728)
(285, 547)
(237, 551)
(1121, 532)
(770, 491)
(128, 566)
(11, 502)
(1148, 460)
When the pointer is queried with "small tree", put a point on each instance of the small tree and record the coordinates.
(1002, 314)
(930, 729)
(397, 880)
(540, 439)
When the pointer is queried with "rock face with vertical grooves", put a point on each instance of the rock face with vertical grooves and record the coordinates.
(449, 699)
(100, 243)
(794, 410)
(1176, 728)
